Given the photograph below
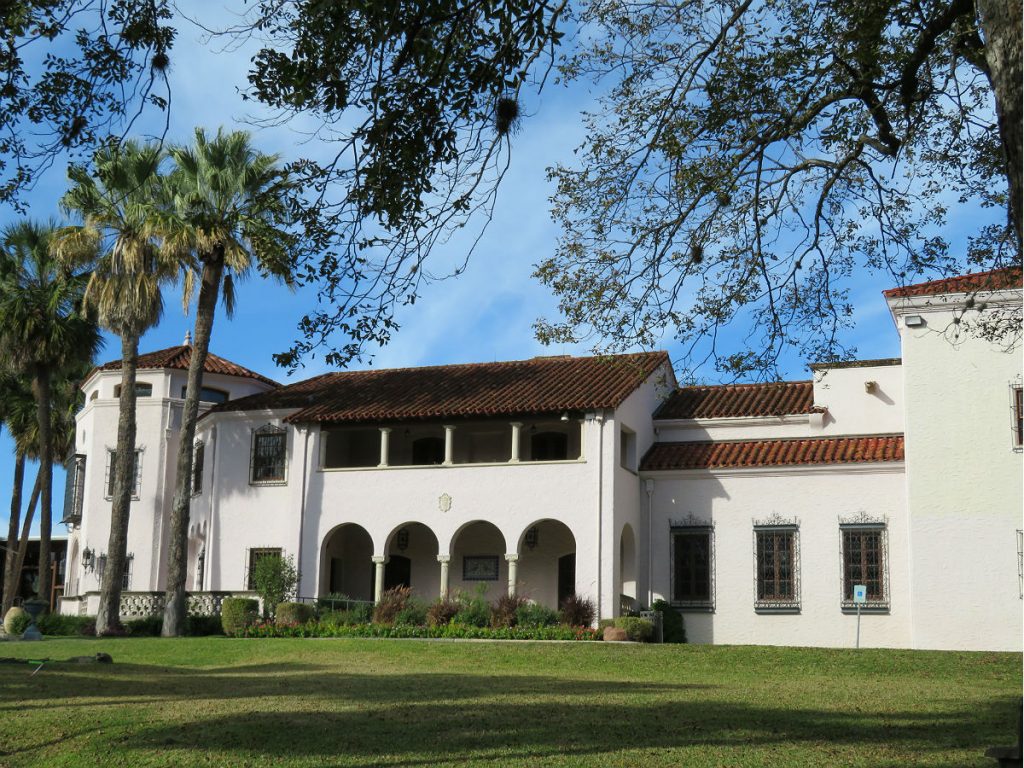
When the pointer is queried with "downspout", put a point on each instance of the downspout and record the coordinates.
(599, 418)
(302, 499)
(649, 487)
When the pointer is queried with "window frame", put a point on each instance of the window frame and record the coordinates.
(142, 389)
(777, 602)
(861, 526)
(198, 461)
(108, 476)
(218, 390)
(692, 527)
(1017, 414)
(250, 562)
(269, 430)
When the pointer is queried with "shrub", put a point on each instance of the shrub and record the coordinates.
(441, 612)
(672, 628)
(577, 611)
(293, 613)
(414, 614)
(637, 629)
(275, 579)
(88, 628)
(148, 626)
(201, 626)
(352, 617)
(238, 613)
(16, 621)
(390, 605)
(535, 615)
(474, 610)
(64, 626)
(505, 611)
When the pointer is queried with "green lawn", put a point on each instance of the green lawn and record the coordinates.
(215, 701)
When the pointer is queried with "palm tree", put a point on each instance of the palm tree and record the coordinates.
(229, 213)
(42, 331)
(118, 204)
(17, 411)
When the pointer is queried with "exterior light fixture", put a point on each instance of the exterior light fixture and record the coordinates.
(870, 387)
(532, 538)
(565, 417)
(913, 321)
(88, 559)
(402, 539)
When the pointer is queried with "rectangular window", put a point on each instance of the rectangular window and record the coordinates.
(627, 449)
(777, 568)
(208, 395)
(255, 555)
(267, 463)
(109, 485)
(864, 563)
(198, 458)
(692, 567)
(141, 390)
(74, 489)
(1018, 417)
(126, 576)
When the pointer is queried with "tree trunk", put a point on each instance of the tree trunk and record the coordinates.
(108, 617)
(177, 546)
(26, 526)
(41, 390)
(1001, 27)
(10, 558)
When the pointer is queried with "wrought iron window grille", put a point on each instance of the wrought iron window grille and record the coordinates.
(267, 464)
(777, 564)
(864, 559)
(108, 478)
(198, 459)
(693, 530)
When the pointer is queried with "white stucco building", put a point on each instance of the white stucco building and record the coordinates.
(754, 508)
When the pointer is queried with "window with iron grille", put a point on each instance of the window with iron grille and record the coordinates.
(255, 555)
(74, 489)
(198, 458)
(864, 562)
(267, 463)
(1018, 417)
(126, 576)
(693, 567)
(777, 567)
(109, 484)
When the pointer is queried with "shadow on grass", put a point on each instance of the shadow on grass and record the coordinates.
(308, 711)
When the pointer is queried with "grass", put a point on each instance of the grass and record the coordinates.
(218, 701)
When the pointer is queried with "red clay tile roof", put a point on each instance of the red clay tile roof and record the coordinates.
(734, 400)
(546, 385)
(994, 280)
(736, 454)
(179, 358)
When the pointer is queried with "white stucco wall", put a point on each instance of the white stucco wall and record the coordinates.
(964, 479)
(816, 497)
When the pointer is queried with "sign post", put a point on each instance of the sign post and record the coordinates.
(860, 596)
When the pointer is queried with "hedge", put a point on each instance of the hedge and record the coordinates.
(453, 631)
(293, 613)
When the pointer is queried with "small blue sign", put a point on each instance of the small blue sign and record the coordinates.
(860, 593)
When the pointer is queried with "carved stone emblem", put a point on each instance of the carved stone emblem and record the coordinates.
(444, 503)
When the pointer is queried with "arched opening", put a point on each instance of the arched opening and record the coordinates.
(547, 562)
(412, 560)
(346, 563)
(478, 558)
(627, 570)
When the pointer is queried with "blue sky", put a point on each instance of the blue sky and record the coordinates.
(485, 314)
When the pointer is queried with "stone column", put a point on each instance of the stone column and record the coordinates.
(513, 563)
(444, 560)
(449, 443)
(385, 434)
(379, 561)
(517, 427)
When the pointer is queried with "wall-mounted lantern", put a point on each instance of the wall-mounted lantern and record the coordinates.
(402, 539)
(532, 538)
